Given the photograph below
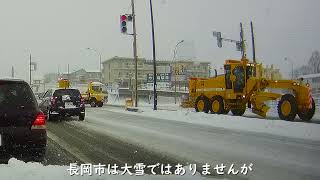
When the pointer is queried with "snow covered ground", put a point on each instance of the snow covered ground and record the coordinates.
(249, 122)
(19, 170)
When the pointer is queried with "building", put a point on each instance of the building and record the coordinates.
(51, 77)
(121, 70)
(271, 73)
(80, 76)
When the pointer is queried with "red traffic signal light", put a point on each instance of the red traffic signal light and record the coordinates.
(123, 18)
(123, 23)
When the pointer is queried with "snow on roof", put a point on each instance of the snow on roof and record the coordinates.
(310, 76)
(97, 83)
(10, 78)
(93, 71)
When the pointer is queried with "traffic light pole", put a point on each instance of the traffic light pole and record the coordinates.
(243, 44)
(135, 52)
(155, 98)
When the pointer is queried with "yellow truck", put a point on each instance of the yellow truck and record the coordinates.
(95, 95)
(63, 83)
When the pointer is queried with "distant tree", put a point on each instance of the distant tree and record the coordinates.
(303, 70)
(312, 67)
(314, 62)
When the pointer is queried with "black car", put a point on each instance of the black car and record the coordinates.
(63, 102)
(22, 124)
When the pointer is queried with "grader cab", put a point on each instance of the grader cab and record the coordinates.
(242, 86)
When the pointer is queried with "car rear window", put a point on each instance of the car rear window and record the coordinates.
(16, 95)
(70, 92)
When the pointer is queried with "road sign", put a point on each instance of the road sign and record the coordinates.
(161, 77)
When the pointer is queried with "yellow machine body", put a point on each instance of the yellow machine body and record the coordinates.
(242, 85)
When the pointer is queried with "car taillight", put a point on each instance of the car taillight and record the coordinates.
(81, 100)
(40, 122)
(53, 100)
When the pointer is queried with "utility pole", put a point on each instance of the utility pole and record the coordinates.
(253, 50)
(253, 44)
(12, 72)
(68, 73)
(155, 98)
(30, 64)
(100, 70)
(135, 52)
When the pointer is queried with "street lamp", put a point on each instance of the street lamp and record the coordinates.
(289, 60)
(100, 57)
(175, 69)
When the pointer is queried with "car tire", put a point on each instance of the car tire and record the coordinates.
(100, 104)
(93, 103)
(81, 116)
(38, 154)
(49, 116)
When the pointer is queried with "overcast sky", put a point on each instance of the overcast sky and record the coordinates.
(57, 32)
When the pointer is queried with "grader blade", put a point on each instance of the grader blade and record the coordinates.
(258, 101)
(262, 111)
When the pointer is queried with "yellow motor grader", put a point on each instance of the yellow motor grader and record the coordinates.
(242, 86)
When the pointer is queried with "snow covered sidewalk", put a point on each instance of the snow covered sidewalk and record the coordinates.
(299, 130)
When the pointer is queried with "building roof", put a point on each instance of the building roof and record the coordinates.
(121, 58)
(149, 61)
(93, 71)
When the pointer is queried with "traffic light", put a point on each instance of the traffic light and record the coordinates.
(129, 17)
(239, 46)
(219, 39)
(123, 23)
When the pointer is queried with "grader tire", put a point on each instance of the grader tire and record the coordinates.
(238, 112)
(93, 102)
(287, 107)
(307, 115)
(226, 111)
(202, 104)
(217, 105)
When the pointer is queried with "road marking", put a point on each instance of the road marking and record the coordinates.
(72, 150)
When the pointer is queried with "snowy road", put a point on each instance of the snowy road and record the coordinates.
(108, 136)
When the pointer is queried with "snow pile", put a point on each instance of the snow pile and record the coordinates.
(19, 170)
(301, 130)
(145, 102)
